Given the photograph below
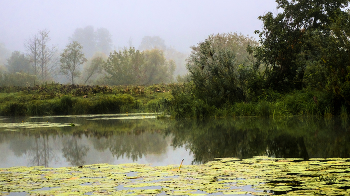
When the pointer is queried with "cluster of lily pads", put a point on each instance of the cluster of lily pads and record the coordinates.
(231, 176)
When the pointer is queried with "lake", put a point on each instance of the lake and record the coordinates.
(61, 141)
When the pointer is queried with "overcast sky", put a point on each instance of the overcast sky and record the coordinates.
(181, 23)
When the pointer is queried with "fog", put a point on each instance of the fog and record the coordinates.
(101, 27)
(180, 23)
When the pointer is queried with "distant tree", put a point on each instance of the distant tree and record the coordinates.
(92, 40)
(33, 49)
(103, 41)
(86, 37)
(41, 55)
(124, 67)
(71, 58)
(157, 69)
(131, 66)
(179, 58)
(93, 67)
(18, 63)
(170, 53)
(4, 54)
(152, 42)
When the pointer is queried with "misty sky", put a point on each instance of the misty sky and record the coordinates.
(181, 23)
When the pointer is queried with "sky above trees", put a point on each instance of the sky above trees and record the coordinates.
(180, 23)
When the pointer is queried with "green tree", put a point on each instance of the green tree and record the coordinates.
(18, 62)
(93, 67)
(287, 39)
(131, 66)
(124, 67)
(152, 42)
(157, 69)
(218, 68)
(71, 58)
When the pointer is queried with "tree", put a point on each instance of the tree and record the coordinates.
(103, 41)
(170, 53)
(93, 67)
(86, 37)
(219, 68)
(92, 40)
(131, 66)
(125, 67)
(70, 60)
(4, 54)
(41, 55)
(152, 42)
(33, 49)
(287, 39)
(46, 53)
(18, 63)
(157, 69)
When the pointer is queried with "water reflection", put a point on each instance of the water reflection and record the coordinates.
(248, 137)
(162, 142)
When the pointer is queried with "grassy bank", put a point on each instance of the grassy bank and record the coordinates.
(175, 99)
(270, 104)
(56, 99)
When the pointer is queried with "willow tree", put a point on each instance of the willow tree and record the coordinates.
(219, 68)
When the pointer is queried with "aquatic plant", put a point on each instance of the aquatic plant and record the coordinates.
(265, 175)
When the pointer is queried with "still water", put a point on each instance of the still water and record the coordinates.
(60, 141)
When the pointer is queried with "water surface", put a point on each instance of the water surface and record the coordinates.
(141, 138)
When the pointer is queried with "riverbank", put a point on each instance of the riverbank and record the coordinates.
(177, 100)
(57, 99)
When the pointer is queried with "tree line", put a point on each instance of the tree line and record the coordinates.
(89, 59)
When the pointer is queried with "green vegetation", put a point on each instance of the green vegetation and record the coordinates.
(225, 176)
(300, 67)
(56, 99)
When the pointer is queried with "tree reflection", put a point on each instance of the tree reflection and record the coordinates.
(247, 137)
(37, 147)
(73, 151)
(134, 144)
(41, 152)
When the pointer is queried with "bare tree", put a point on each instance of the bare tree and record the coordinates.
(41, 55)
(32, 46)
(46, 53)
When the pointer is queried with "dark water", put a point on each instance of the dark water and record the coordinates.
(127, 139)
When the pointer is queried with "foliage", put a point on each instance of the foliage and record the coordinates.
(293, 40)
(71, 58)
(57, 99)
(219, 68)
(138, 68)
(93, 68)
(170, 53)
(17, 79)
(152, 42)
(18, 63)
